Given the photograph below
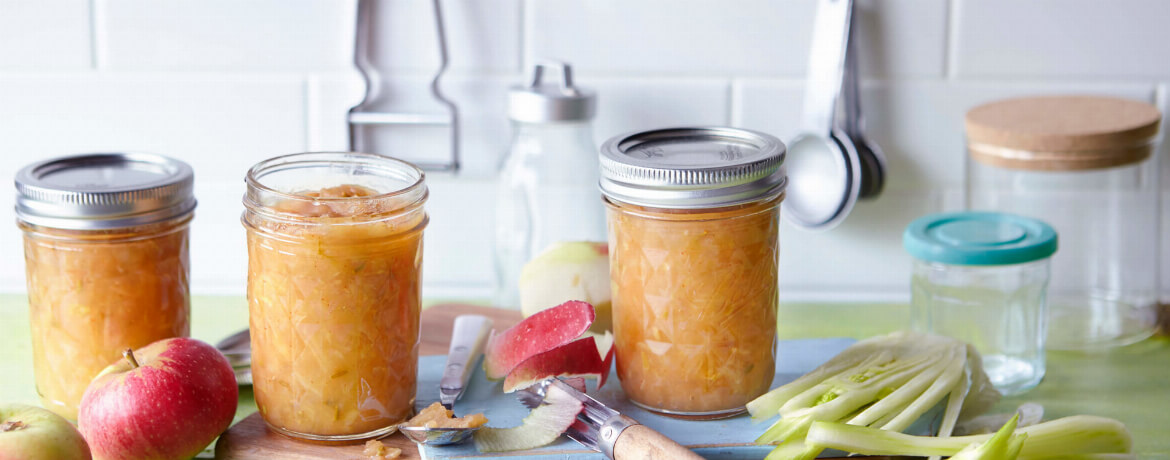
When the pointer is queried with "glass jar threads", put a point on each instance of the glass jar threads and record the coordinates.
(106, 256)
(1082, 164)
(982, 278)
(334, 266)
(693, 244)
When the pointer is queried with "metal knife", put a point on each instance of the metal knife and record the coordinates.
(467, 340)
(605, 430)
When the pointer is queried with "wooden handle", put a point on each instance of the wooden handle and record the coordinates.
(639, 442)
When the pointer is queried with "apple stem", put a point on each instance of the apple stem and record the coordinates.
(129, 355)
(12, 426)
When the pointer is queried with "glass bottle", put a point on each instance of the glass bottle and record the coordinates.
(548, 180)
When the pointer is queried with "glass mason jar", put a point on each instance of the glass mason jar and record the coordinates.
(693, 237)
(106, 256)
(983, 278)
(1085, 166)
(334, 266)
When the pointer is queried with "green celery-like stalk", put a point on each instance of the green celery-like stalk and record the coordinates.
(1061, 438)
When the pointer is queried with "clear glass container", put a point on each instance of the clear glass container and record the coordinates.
(106, 240)
(983, 278)
(693, 244)
(547, 191)
(334, 266)
(1085, 166)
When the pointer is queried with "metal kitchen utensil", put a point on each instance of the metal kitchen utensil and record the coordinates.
(824, 169)
(468, 336)
(600, 428)
(237, 348)
(364, 115)
(872, 160)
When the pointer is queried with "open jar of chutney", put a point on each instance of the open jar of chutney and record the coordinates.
(106, 239)
(334, 266)
(693, 219)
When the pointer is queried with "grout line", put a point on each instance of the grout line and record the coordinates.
(312, 118)
(522, 37)
(97, 34)
(949, 40)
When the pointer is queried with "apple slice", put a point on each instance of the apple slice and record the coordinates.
(542, 426)
(579, 358)
(605, 350)
(538, 333)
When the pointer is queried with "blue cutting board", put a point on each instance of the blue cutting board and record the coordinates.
(729, 439)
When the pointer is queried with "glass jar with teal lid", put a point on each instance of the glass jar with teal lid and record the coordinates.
(982, 277)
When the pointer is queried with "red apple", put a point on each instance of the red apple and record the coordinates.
(538, 333)
(167, 400)
(32, 433)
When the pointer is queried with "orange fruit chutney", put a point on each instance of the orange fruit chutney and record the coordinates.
(694, 299)
(94, 293)
(334, 304)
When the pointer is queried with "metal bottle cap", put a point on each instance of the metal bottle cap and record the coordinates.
(689, 168)
(101, 191)
(542, 101)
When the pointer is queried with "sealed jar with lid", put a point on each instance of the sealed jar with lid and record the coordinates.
(105, 245)
(1084, 165)
(982, 277)
(693, 240)
(334, 266)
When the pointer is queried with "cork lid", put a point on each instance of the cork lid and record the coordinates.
(1062, 133)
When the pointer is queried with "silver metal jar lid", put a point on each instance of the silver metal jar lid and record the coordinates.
(541, 101)
(690, 168)
(100, 191)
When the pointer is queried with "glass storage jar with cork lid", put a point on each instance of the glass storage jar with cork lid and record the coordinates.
(1084, 165)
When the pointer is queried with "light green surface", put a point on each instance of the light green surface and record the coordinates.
(1131, 384)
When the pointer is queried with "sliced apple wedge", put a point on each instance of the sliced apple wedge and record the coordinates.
(536, 334)
(542, 426)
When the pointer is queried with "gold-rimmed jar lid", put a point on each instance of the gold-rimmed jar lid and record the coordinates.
(1062, 133)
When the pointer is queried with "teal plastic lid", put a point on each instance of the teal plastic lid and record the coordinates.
(979, 238)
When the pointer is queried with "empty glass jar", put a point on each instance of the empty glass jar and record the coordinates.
(1084, 165)
(983, 278)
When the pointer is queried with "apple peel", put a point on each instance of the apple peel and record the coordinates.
(536, 334)
(579, 358)
(542, 426)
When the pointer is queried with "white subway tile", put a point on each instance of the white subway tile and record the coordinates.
(917, 123)
(264, 35)
(482, 103)
(1061, 38)
(862, 256)
(219, 246)
(44, 34)
(628, 104)
(458, 241)
(482, 36)
(221, 126)
(743, 38)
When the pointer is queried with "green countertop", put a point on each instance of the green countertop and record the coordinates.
(1131, 384)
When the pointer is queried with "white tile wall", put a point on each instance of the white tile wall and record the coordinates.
(1061, 38)
(711, 38)
(225, 83)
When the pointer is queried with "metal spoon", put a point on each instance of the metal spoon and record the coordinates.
(467, 340)
(824, 170)
(872, 160)
(237, 348)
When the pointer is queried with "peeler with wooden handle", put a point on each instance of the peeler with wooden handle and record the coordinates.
(607, 431)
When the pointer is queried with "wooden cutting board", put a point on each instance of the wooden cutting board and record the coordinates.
(250, 439)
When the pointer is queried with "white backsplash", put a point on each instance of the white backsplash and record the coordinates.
(223, 84)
